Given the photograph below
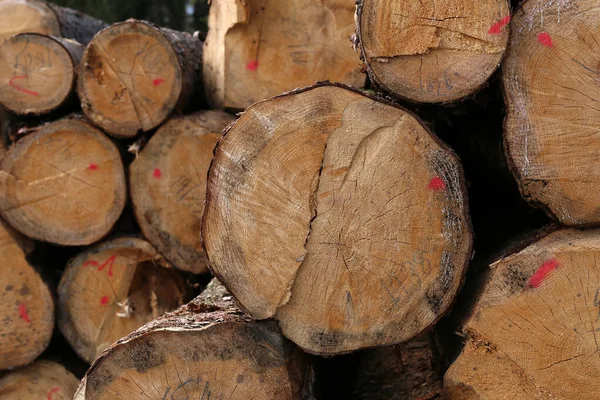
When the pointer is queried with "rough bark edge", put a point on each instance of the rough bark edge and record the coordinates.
(76, 25)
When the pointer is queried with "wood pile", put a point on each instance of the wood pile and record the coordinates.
(315, 199)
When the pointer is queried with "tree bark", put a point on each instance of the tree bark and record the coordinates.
(27, 311)
(40, 380)
(63, 183)
(37, 73)
(257, 49)
(431, 52)
(206, 349)
(168, 186)
(355, 224)
(532, 332)
(134, 75)
(33, 16)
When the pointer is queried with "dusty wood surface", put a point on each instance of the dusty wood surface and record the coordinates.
(40, 380)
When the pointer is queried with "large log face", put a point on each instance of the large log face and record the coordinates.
(40, 380)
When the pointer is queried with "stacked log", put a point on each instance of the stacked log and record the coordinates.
(40, 380)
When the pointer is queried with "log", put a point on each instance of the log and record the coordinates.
(532, 333)
(40, 380)
(256, 49)
(37, 73)
(113, 288)
(552, 111)
(340, 215)
(27, 311)
(431, 52)
(168, 186)
(208, 349)
(63, 183)
(33, 16)
(134, 75)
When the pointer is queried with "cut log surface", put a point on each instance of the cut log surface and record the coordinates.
(551, 84)
(208, 349)
(134, 75)
(41, 380)
(27, 311)
(432, 51)
(533, 333)
(339, 215)
(32, 16)
(256, 49)
(111, 290)
(168, 186)
(63, 184)
(37, 72)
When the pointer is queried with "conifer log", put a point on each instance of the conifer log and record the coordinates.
(33, 16)
(168, 186)
(257, 49)
(431, 51)
(551, 89)
(533, 332)
(40, 380)
(27, 311)
(37, 73)
(208, 349)
(63, 183)
(341, 216)
(112, 289)
(133, 75)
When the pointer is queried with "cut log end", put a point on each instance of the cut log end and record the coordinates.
(41, 380)
(168, 186)
(111, 290)
(37, 72)
(432, 51)
(63, 184)
(18, 16)
(365, 207)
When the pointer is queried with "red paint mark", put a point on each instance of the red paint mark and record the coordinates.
(12, 83)
(93, 167)
(157, 81)
(157, 173)
(109, 262)
(51, 392)
(542, 272)
(252, 65)
(437, 184)
(23, 312)
(104, 300)
(545, 39)
(497, 27)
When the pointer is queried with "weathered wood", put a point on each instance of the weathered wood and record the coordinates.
(431, 51)
(532, 333)
(168, 186)
(134, 75)
(206, 349)
(40, 380)
(256, 49)
(63, 183)
(112, 289)
(37, 73)
(550, 78)
(27, 311)
(341, 216)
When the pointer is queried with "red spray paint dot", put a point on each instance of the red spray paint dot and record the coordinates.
(545, 39)
(497, 27)
(252, 65)
(23, 312)
(157, 81)
(51, 392)
(437, 184)
(93, 167)
(538, 277)
(104, 300)
(157, 173)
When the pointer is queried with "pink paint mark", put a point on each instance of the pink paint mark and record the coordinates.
(12, 83)
(93, 167)
(157, 173)
(23, 312)
(109, 262)
(542, 272)
(545, 39)
(497, 27)
(157, 81)
(51, 392)
(252, 65)
(437, 184)
(104, 300)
